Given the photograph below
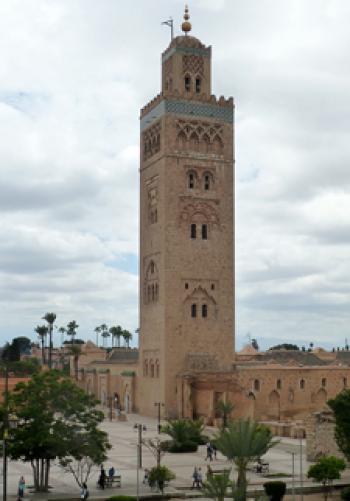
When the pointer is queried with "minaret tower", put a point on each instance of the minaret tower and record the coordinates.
(187, 227)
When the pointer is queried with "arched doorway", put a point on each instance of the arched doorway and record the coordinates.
(274, 406)
(320, 398)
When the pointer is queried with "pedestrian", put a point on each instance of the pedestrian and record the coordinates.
(199, 478)
(111, 472)
(209, 452)
(102, 478)
(195, 478)
(84, 493)
(21, 488)
(215, 450)
(146, 476)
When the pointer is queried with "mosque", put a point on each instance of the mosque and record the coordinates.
(186, 361)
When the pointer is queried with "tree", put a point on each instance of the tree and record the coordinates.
(242, 442)
(224, 409)
(116, 332)
(74, 350)
(127, 337)
(217, 486)
(255, 344)
(340, 405)
(159, 475)
(186, 435)
(19, 346)
(56, 419)
(50, 319)
(156, 447)
(71, 330)
(285, 346)
(42, 330)
(104, 333)
(275, 489)
(327, 469)
(97, 330)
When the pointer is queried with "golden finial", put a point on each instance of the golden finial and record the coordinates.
(186, 25)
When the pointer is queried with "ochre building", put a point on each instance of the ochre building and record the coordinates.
(186, 360)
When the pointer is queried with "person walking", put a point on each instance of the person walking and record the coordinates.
(215, 450)
(195, 478)
(102, 478)
(21, 488)
(199, 478)
(209, 452)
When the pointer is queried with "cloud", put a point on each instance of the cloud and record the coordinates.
(72, 80)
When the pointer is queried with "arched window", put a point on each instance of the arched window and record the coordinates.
(204, 310)
(345, 382)
(145, 369)
(152, 368)
(207, 182)
(156, 293)
(152, 267)
(152, 292)
(149, 293)
(302, 384)
(324, 382)
(186, 285)
(191, 180)
(278, 384)
(155, 218)
(256, 385)
(157, 368)
(204, 232)
(198, 85)
(193, 310)
(187, 83)
(193, 231)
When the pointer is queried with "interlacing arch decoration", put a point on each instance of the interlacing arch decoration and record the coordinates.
(193, 64)
(202, 136)
(199, 212)
(151, 141)
(151, 284)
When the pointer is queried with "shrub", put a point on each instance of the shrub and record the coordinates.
(345, 494)
(276, 490)
(182, 447)
(159, 475)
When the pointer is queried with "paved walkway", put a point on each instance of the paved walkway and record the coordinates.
(123, 456)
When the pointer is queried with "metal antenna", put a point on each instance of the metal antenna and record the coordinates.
(170, 23)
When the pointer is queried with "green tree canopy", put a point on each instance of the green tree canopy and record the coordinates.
(285, 346)
(340, 405)
(242, 442)
(56, 419)
(327, 469)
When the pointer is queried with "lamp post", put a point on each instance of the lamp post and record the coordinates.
(159, 405)
(301, 463)
(293, 472)
(140, 428)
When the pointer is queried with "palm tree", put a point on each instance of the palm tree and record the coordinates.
(216, 486)
(97, 330)
(62, 331)
(224, 409)
(242, 442)
(50, 319)
(116, 332)
(42, 330)
(104, 333)
(74, 350)
(71, 330)
(127, 337)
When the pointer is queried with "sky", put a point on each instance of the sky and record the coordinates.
(73, 77)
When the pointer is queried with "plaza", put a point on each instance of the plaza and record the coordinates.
(123, 456)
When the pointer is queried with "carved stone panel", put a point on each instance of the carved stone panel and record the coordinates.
(151, 139)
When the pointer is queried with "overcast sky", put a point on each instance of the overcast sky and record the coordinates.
(73, 76)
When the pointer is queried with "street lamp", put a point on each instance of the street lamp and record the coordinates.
(159, 405)
(140, 428)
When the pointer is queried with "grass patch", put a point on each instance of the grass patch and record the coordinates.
(276, 475)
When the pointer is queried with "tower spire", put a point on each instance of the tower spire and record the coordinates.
(186, 25)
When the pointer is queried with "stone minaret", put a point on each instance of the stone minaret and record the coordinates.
(187, 227)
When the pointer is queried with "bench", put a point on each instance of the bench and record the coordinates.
(220, 471)
(115, 481)
(261, 468)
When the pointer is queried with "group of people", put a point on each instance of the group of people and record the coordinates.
(103, 478)
(211, 451)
